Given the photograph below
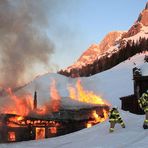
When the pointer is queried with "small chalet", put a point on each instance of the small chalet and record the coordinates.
(130, 103)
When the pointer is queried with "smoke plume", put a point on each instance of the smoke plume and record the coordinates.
(23, 39)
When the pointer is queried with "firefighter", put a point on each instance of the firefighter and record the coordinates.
(114, 117)
(143, 103)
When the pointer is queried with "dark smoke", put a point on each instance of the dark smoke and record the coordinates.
(23, 39)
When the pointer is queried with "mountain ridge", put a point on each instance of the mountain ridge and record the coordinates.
(113, 42)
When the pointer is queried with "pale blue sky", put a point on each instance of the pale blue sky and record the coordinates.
(77, 24)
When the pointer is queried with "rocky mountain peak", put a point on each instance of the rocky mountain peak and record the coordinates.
(141, 21)
(111, 39)
(143, 17)
(146, 7)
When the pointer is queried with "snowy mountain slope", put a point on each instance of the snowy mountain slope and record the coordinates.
(111, 84)
(93, 60)
(96, 50)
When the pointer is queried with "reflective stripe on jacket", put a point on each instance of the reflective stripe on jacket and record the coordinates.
(143, 102)
(114, 116)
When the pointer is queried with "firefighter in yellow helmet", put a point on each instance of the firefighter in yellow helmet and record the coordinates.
(143, 103)
(114, 117)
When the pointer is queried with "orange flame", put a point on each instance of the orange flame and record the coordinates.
(84, 96)
(15, 121)
(23, 105)
(16, 118)
(54, 103)
(97, 118)
(88, 125)
(18, 105)
(55, 97)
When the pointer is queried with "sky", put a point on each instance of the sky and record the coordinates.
(80, 23)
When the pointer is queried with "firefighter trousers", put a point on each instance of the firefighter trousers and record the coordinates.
(146, 118)
(112, 125)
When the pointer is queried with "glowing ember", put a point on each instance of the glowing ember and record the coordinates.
(88, 125)
(16, 118)
(11, 136)
(84, 96)
(53, 130)
(20, 118)
(97, 118)
(15, 121)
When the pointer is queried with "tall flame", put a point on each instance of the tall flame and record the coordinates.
(23, 105)
(55, 97)
(78, 93)
(82, 95)
(20, 105)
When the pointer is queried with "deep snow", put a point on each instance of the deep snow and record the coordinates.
(111, 85)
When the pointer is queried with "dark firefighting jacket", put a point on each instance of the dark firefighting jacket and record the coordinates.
(143, 102)
(114, 116)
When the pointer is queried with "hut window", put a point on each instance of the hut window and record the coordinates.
(40, 133)
(11, 136)
(53, 130)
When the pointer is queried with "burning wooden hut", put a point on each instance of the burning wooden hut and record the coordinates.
(28, 121)
(130, 103)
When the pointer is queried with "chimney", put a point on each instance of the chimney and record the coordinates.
(35, 101)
